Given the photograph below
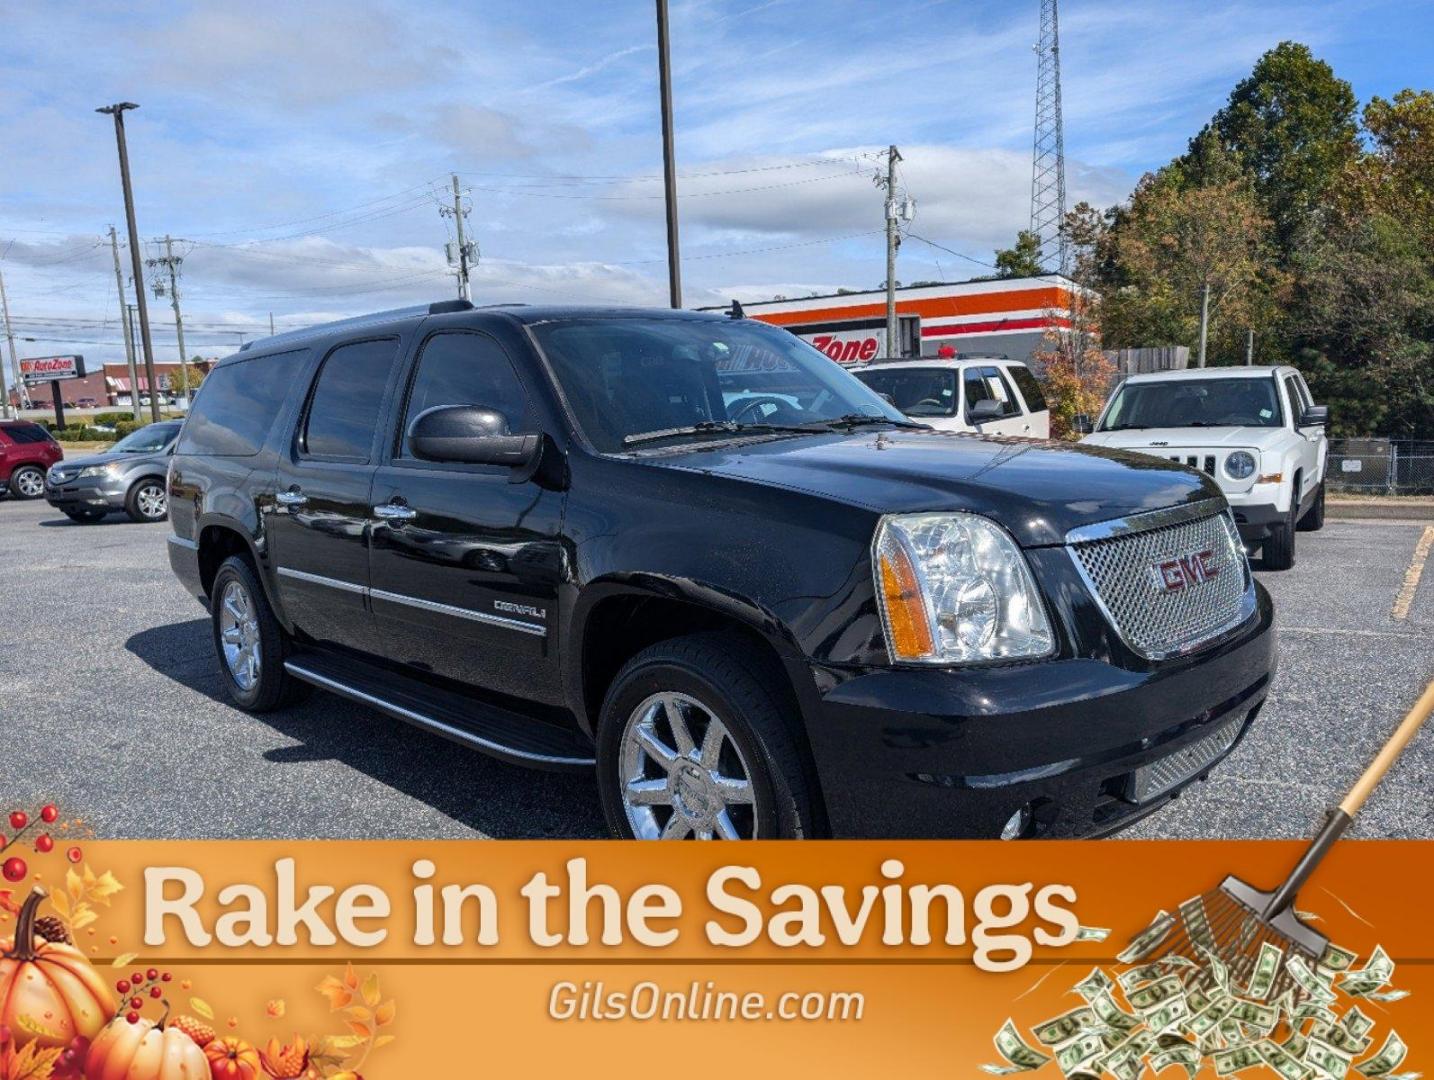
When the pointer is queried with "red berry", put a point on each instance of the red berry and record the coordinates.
(137, 978)
(49, 813)
(152, 974)
(155, 991)
(15, 869)
(165, 977)
(136, 1003)
(122, 986)
(43, 844)
(132, 1017)
(19, 819)
(74, 854)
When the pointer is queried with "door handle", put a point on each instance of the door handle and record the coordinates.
(293, 497)
(394, 512)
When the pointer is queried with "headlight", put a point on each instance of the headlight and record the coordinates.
(956, 589)
(99, 470)
(1240, 465)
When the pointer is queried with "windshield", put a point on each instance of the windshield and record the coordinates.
(147, 440)
(916, 391)
(636, 381)
(1173, 403)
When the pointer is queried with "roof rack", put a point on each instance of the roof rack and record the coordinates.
(289, 337)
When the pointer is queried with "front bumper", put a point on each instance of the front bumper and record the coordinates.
(918, 753)
(1254, 520)
(89, 493)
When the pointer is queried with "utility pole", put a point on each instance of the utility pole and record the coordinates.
(1250, 348)
(171, 263)
(271, 324)
(669, 157)
(125, 323)
(459, 255)
(117, 110)
(5, 409)
(895, 212)
(1204, 320)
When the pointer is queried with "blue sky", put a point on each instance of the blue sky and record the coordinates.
(300, 149)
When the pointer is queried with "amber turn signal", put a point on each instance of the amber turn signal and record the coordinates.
(908, 629)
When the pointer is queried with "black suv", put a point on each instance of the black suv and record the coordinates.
(691, 552)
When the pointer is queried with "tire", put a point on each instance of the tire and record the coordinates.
(147, 501)
(1313, 521)
(27, 482)
(705, 678)
(238, 601)
(1279, 549)
(84, 517)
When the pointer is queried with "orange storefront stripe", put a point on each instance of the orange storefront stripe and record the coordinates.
(935, 307)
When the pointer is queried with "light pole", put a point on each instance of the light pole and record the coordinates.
(669, 159)
(118, 110)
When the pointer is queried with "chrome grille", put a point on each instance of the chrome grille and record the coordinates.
(1147, 575)
(1160, 776)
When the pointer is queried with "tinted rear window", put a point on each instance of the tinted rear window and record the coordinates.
(343, 413)
(26, 433)
(1030, 389)
(236, 406)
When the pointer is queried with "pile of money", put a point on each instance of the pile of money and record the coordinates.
(1193, 1011)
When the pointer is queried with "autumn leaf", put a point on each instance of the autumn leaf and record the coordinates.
(351, 979)
(363, 1031)
(335, 1043)
(102, 888)
(338, 994)
(61, 903)
(7, 902)
(33, 1063)
(123, 960)
(359, 1013)
(383, 1040)
(276, 1008)
(371, 993)
(84, 915)
(202, 1007)
(384, 1014)
(74, 885)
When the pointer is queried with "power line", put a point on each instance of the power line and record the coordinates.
(950, 251)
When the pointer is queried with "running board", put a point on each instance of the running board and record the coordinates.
(489, 729)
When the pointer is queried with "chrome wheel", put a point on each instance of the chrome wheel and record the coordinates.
(239, 635)
(683, 776)
(152, 501)
(30, 482)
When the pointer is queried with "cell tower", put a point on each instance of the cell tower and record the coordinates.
(1048, 167)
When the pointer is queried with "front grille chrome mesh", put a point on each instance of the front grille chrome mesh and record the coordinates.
(1160, 776)
(1168, 589)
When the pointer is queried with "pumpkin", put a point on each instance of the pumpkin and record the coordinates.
(144, 1050)
(49, 994)
(232, 1059)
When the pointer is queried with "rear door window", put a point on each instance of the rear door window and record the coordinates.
(1030, 389)
(458, 368)
(343, 414)
(26, 433)
(237, 404)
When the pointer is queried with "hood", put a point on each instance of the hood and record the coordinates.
(76, 464)
(1183, 438)
(1037, 490)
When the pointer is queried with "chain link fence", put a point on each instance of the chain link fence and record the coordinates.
(1381, 466)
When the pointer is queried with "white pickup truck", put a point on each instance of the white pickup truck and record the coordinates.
(1254, 429)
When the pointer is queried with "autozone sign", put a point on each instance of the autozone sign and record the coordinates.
(42, 369)
(849, 346)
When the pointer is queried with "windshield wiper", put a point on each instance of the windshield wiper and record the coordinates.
(852, 420)
(707, 427)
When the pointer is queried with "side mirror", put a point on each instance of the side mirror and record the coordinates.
(472, 435)
(1314, 416)
(1082, 423)
(986, 410)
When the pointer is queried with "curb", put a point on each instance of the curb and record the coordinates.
(1381, 509)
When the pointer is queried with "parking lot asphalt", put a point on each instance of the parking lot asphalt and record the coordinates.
(111, 704)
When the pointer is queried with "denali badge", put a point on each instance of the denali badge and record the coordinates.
(519, 609)
(1172, 575)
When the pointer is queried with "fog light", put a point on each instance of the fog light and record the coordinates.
(1016, 827)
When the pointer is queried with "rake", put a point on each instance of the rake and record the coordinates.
(1234, 921)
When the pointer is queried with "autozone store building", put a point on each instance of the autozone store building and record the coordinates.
(1007, 317)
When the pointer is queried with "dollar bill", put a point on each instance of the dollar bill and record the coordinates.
(1340, 1037)
(1308, 981)
(1375, 974)
(1197, 923)
(1237, 1059)
(1208, 1019)
(1185, 1055)
(1336, 959)
(1355, 1022)
(1387, 995)
(1085, 1048)
(1092, 933)
(1296, 1044)
(1112, 1015)
(1197, 998)
(1020, 1056)
(1262, 1017)
(1151, 996)
(1064, 1028)
(1282, 1061)
(1219, 973)
(1094, 984)
(1149, 939)
(1168, 1015)
(1267, 966)
(1391, 1055)
(1329, 1060)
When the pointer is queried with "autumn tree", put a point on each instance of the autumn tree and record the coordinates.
(1023, 259)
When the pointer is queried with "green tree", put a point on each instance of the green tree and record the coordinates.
(1023, 259)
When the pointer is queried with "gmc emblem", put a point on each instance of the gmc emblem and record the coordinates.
(1179, 573)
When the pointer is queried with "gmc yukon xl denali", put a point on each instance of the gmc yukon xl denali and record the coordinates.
(691, 553)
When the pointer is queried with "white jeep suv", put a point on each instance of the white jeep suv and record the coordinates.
(1253, 429)
(992, 395)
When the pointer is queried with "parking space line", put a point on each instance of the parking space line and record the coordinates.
(1402, 602)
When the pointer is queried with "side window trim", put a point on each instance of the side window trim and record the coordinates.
(298, 451)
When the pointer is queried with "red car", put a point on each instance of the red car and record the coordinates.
(26, 451)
